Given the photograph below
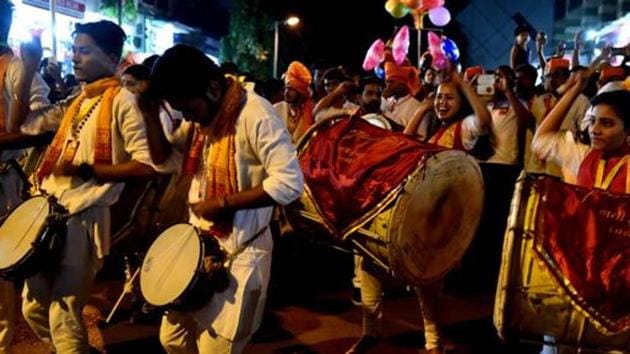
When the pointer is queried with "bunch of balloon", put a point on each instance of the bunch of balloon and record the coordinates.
(438, 14)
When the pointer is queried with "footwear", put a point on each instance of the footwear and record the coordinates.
(364, 344)
(356, 296)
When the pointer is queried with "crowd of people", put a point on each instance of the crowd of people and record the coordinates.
(181, 113)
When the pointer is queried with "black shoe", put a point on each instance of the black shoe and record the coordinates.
(356, 296)
(364, 344)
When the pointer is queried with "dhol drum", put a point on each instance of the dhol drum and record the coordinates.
(377, 120)
(31, 237)
(175, 273)
(421, 229)
(530, 300)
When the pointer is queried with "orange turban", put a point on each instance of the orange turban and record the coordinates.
(557, 64)
(407, 75)
(299, 78)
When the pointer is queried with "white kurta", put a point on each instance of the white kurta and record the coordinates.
(128, 143)
(264, 156)
(505, 129)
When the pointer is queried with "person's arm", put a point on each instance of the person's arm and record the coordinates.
(159, 146)
(482, 115)
(553, 121)
(14, 141)
(577, 46)
(419, 115)
(31, 54)
(525, 119)
(540, 48)
(284, 182)
(513, 57)
(334, 97)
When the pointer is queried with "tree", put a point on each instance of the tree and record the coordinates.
(249, 42)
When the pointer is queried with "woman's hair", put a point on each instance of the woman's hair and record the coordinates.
(619, 101)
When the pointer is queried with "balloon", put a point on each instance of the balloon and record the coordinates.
(411, 4)
(418, 18)
(374, 55)
(449, 47)
(440, 16)
(440, 61)
(435, 42)
(427, 5)
(400, 45)
(379, 72)
(396, 9)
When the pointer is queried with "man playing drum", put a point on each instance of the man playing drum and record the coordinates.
(100, 142)
(242, 161)
(18, 98)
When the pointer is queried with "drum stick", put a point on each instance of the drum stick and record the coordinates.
(126, 289)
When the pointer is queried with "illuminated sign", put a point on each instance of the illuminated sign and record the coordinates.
(74, 8)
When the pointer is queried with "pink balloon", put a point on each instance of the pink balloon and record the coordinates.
(434, 40)
(440, 61)
(427, 5)
(400, 45)
(374, 55)
(440, 16)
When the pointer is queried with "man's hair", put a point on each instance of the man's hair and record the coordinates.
(529, 70)
(368, 80)
(520, 29)
(107, 35)
(138, 71)
(619, 101)
(183, 72)
(150, 60)
(6, 15)
(335, 74)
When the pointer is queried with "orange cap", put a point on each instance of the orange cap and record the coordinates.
(555, 64)
(472, 71)
(612, 72)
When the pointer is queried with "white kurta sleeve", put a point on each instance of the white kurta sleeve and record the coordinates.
(272, 144)
(560, 148)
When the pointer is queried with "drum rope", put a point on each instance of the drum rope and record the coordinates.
(39, 212)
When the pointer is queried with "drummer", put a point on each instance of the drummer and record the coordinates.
(242, 162)
(100, 141)
(17, 100)
(605, 163)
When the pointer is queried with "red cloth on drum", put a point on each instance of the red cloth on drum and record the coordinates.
(352, 167)
(582, 235)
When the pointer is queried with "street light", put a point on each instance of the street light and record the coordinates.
(291, 21)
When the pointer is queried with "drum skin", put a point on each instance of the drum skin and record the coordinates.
(425, 231)
(528, 301)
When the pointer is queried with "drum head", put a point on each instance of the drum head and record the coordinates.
(436, 217)
(170, 264)
(377, 120)
(21, 230)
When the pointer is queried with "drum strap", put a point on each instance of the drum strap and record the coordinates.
(232, 256)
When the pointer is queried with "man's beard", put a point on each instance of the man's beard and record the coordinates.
(373, 106)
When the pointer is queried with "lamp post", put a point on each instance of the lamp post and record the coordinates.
(291, 21)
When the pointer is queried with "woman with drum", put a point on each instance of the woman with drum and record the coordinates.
(242, 161)
(605, 163)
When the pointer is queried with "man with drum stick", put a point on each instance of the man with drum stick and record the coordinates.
(99, 143)
(18, 99)
(233, 130)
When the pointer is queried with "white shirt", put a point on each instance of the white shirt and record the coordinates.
(505, 129)
(400, 110)
(264, 156)
(128, 143)
(38, 96)
(562, 149)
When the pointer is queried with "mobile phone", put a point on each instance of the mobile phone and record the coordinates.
(485, 84)
(618, 51)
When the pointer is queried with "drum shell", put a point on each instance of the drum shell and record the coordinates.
(202, 285)
(414, 237)
(528, 301)
(46, 250)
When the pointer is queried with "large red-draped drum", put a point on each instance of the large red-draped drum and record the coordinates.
(412, 208)
(566, 266)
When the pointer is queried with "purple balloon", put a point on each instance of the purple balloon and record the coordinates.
(440, 16)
